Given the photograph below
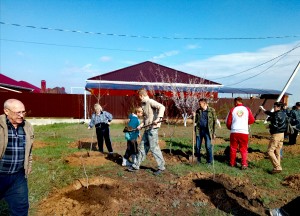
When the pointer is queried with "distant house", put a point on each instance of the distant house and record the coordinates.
(8, 84)
(148, 75)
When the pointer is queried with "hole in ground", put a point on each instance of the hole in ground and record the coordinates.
(220, 198)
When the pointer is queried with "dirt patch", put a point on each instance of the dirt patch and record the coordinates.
(259, 141)
(92, 158)
(218, 141)
(292, 149)
(96, 158)
(253, 155)
(142, 193)
(162, 144)
(292, 181)
(85, 143)
(180, 196)
(39, 144)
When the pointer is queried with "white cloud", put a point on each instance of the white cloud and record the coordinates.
(223, 65)
(166, 54)
(192, 46)
(105, 58)
(236, 66)
(86, 70)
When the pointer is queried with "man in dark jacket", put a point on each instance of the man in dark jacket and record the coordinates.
(277, 128)
(205, 121)
(295, 121)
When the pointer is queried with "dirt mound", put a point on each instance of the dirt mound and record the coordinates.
(292, 181)
(97, 197)
(259, 141)
(253, 155)
(85, 143)
(174, 156)
(93, 158)
(292, 149)
(96, 158)
(40, 144)
(180, 196)
(218, 141)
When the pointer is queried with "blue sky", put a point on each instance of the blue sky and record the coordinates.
(65, 58)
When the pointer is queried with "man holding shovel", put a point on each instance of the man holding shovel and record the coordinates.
(205, 121)
(153, 113)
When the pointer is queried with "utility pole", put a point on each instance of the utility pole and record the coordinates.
(289, 82)
(286, 85)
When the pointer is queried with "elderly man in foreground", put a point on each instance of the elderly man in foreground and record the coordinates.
(16, 139)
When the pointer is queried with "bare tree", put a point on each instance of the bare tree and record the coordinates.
(184, 95)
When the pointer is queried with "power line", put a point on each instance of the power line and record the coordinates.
(283, 54)
(280, 57)
(254, 75)
(150, 37)
(72, 46)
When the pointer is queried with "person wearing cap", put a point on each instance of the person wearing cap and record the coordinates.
(278, 125)
(295, 122)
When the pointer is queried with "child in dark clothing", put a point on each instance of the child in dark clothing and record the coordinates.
(131, 137)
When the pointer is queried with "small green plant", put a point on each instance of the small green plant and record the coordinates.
(120, 174)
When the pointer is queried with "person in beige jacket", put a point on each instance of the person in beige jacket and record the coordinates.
(16, 139)
(153, 113)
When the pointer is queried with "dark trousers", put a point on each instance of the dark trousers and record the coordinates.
(293, 137)
(14, 190)
(103, 134)
(291, 208)
(131, 148)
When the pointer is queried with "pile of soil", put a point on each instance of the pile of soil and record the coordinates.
(39, 144)
(106, 196)
(292, 181)
(91, 158)
(141, 193)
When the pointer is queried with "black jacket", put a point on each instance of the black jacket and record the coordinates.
(278, 121)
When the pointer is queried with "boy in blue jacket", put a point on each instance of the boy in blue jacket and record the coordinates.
(131, 137)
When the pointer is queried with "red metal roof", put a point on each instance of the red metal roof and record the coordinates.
(151, 72)
(28, 85)
(8, 82)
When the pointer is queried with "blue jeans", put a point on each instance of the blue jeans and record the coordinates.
(204, 134)
(14, 190)
(150, 143)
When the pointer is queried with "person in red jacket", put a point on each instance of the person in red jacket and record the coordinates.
(238, 120)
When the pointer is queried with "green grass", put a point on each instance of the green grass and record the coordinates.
(50, 170)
